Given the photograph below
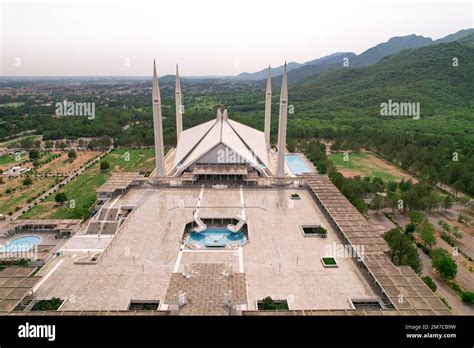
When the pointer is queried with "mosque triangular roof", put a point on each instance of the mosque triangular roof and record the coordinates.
(247, 142)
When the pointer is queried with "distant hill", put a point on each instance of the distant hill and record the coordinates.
(328, 63)
(468, 40)
(301, 72)
(324, 61)
(425, 75)
(456, 36)
(394, 45)
(262, 74)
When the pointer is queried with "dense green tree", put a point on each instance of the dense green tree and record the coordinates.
(402, 249)
(427, 235)
(104, 165)
(72, 155)
(377, 203)
(444, 264)
(33, 154)
(60, 197)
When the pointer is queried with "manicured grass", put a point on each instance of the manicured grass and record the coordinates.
(83, 188)
(7, 159)
(12, 105)
(366, 164)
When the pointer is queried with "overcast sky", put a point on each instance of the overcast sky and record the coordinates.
(206, 37)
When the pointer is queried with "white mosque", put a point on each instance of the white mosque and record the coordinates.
(221, 148)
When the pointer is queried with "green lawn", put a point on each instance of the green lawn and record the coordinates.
(366, 164)
(7, 159)
(12, 105)
(202, 102)
(82, 189)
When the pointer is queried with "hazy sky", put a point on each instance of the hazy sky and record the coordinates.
(206, 37)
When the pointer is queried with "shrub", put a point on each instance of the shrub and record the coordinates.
(269, 304)
(104, 165)
(431, 284)
(468, 297)
(47, 305)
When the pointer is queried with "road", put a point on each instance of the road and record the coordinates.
(458, 306)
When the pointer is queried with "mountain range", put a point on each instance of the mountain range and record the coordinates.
(298, 72)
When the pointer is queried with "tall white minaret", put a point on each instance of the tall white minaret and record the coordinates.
(282, 120)
(179, 105)
(268, 109)
(157, 125)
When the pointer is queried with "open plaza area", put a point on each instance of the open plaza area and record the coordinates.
(279, 261)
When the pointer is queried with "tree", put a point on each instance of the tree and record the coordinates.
(444, 264)
(458, 186)
(26, 143)
(456, 233)
(468, 297)
(445, 226)
(376, 203)
(27, 181)
(104, 165)
(291, 144)
(431, 200)
(410, 228)
(72, 155)
(402, 249)
(393, 201)
(405, 185)
(418, 218)
(392, 186)
(60, 197)
(378, 185)
(448, 202)
(34, 154)
(427, 235)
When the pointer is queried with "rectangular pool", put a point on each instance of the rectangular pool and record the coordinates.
(296, 164)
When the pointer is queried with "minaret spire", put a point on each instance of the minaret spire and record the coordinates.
(268, 109)
(282, 120)
(179, 105)
(157, 125)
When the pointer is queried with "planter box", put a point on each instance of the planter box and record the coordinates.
(305, 229)
(330, 262)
